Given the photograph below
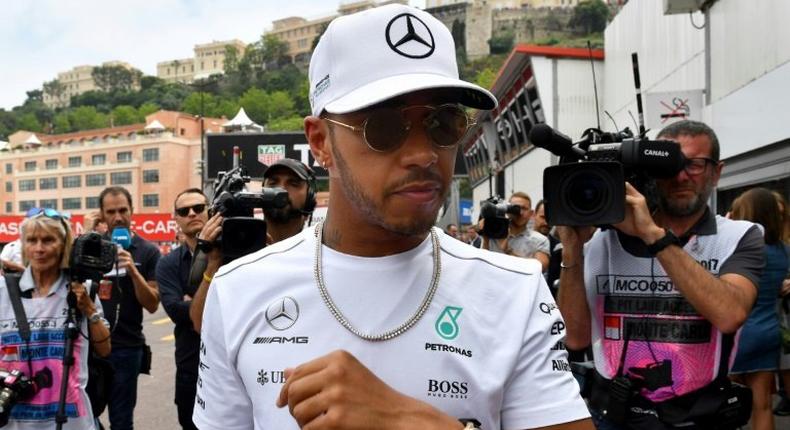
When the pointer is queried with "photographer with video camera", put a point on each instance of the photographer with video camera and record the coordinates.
(521, 241)
(283, 219)
(35, 310)
(662, 293)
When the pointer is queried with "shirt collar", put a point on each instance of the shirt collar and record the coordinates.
(705, 226)
(27, 283)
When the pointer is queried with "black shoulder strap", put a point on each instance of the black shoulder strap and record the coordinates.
(12, 284)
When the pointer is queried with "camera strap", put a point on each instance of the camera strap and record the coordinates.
(12, 285)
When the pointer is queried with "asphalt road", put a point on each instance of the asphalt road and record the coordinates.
(155, 408)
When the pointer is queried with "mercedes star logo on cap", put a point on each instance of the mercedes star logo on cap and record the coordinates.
(409, 36)
(282, 313)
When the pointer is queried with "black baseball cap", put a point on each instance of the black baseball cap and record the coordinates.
(301, 170)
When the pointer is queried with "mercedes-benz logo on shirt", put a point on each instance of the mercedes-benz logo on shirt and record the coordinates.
(282, 313)
(409, 36)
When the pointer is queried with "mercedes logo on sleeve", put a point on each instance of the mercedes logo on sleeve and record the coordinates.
(409, 36)
(282, 313)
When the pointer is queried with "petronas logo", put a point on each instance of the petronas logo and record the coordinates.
(447, 324)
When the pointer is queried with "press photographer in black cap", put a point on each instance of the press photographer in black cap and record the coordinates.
(281, 223)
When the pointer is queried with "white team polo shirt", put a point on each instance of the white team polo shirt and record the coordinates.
(489, 346)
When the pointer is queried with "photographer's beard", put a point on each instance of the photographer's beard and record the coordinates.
(282, 215)
(679, 207)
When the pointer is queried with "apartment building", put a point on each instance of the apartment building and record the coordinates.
(299, 32)
(209, 59)
(77, 81)
(154, 161)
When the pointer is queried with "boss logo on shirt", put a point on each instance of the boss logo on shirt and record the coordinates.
(448, 389)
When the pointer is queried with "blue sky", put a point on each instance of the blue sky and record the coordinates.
(39, 38)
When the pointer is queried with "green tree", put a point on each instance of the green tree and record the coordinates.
(87, 118)
(61, 123)
(34, 95)
(279, 105)
(231, 64)
(590, 16)
(502, 44)
(29, 122)
(292, 123)
(486, 77)
(192, 104)
(125, 115)
(255, 103)
(274, 51)
(111, 78)
(146, 109)
(54, 88)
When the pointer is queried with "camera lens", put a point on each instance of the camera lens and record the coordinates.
(587, 192)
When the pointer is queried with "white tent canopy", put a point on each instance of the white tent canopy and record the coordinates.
(241, 122)
(155, 125)
(32, 140)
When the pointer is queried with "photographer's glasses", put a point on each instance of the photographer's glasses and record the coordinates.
(47, 212)
(197, 209)
(385, 129)
(696, 166)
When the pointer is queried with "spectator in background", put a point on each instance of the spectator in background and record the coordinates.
(541, 225)
(452, 230)
(783, 408)
(123, 302)
(472, 237)
(757, 355)
(172, 274)
(521, 241)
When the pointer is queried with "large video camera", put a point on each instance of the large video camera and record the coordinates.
(494, 211)
(588, 186)
(91, 257)
(15, 386)
(241, 232)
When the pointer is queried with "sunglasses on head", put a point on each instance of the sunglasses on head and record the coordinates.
(197, 209)
(47, 212)
(385, 129)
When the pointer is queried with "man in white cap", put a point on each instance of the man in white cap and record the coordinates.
(375, 319)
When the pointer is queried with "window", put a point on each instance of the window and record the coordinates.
(9, 168)
(121, 178)
(96, 180)
(9, 207)
(72, 181)
(48, 203)
(9, 186)
(72, 203)
(150, 176)
(25, 205)
(48, 183)
(91, 202)
(150, 200)
(30, 166)
(151, 154)
(27, 185)
(51, 164)
(98, 159)
(75, 161)
(124, 157)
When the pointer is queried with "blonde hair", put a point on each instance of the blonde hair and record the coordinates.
(61, 229)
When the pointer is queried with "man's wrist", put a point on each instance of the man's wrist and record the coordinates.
(653, 235)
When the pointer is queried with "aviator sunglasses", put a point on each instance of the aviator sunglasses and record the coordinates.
(47, 212)
(386, 129)
(197, 209)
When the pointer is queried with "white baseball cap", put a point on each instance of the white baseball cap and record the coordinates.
(380, 53)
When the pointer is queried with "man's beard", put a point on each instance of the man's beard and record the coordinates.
(370, 211)
(685, 208)
(282, 215)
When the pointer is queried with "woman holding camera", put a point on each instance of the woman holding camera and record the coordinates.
(44, 287)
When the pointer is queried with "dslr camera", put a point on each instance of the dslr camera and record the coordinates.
(91, 257)
(242, 233)
(15, 386)
(494, 211)
(588, 186)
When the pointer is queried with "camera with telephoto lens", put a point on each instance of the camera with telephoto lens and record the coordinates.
(91, 257)
(494, 211)
(15, 386)
(588, 186)
(242, 234)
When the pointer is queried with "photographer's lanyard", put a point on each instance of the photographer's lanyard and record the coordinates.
(12, 285)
